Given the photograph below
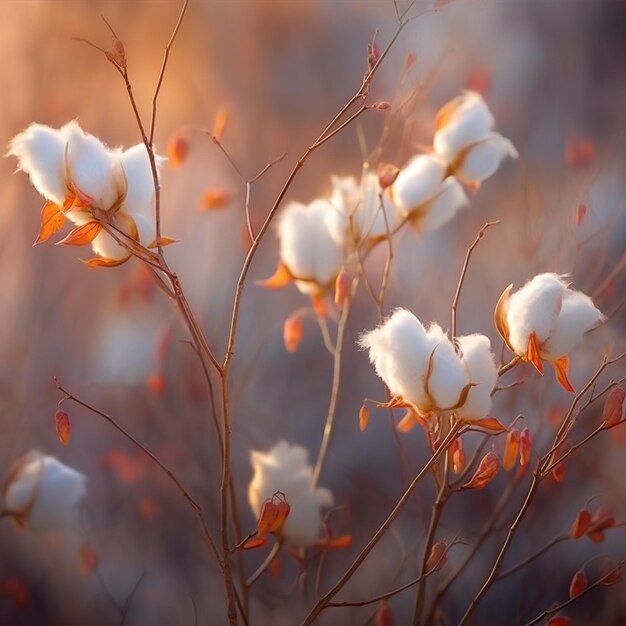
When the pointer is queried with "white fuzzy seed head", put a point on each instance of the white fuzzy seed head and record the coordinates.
(482, 159)
(285, 468)
(41, 493)
(443, 207)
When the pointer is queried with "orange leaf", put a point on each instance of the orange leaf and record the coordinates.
(275, 567)
(334, 544)
(319, 305)
(581, 211)
(410, 420)
(88, 559)
(147, 507)
(561, 367)
(177, 149)
(437, 557)
(578, 584)
(384, 615)
(614, 411)
(255, 542)
(281, 277)
(559, 620)
(511, 449)
(387, 175)
(62, 423)
(487, 469)
(102, 262)
(581, 524)
(219, 124)
(292, 332)
(364, 416)
(342, 289)
(156, 382)
(611, 572)
(214, 198)
(489, 423)
(525, 446)
(165, 241)
(458, 455)
(82, 235)
(533, 353)
(52, 220)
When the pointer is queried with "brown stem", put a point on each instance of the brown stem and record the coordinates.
(535, 555)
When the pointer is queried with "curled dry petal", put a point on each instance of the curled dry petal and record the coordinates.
(63, 427)
(581, 524)
(578, 584)
(487, 469)
(614, 411)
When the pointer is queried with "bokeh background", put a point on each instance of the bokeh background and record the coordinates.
(553, 73)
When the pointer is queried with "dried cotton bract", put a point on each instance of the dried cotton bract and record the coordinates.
(423, 194)
(545, 319)
(464, 138)
(90, 184)
(285, 468)
(41, 493)
(424, 369)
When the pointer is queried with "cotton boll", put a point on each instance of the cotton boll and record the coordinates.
(578, 315)
(146, 227)
(105, 246)
(418, 183)
(40, 151)
(376, 218)
(344, 198)
(483, 159)
(448, 376)
(481, 367)
(285, 468)
(443, 207)
(139, 199)
(461, 122)
(534, 308)
(92, 167)
(307, 247)
(41, 493)
(399, 350)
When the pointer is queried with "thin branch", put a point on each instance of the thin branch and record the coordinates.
(266, 563)
(535, 555)
(459, 286)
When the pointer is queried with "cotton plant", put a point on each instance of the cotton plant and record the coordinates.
(425, 194)
(361, 211)
(465, 139)
(425, 370)
(285, 468)
(546, 320)
(310, 256)
(95, 187)
(41, 493)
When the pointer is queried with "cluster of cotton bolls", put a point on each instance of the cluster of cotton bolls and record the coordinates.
(316, 238)
(88, 183)
(425, 370)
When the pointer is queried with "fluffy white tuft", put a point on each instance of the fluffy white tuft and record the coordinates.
(139, 198)
(285, 468)
(444, 206)
(481, 367)
(417, 183)
(483, 159)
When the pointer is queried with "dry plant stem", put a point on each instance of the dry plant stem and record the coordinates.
(437, 510)
(459, 286)
(190, 500)
(334, 394)
(535, 555)
(565, 604)
(447, 582)
(537, 477)
(323, 602)
(509, 366)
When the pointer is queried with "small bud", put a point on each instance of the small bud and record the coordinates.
(511, 448)
(292, 332)
(63, 427)
(373, 54)
(581, 524)
(614, 411)
(384, 616)
(342, 289)
(525, 446)
(578, 584)
(387, 174)
(383, 105)
(364, 415)
(116, 53)
(486, 471)
(437, 557)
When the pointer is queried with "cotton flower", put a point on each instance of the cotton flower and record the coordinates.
(90, 184)
(285, 468)
(545, 320)
(360, 211)
(464, 138)
(310, 256)
(41, 493)
(422, 193)
(423, 368)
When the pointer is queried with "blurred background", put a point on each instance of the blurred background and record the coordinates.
(554, 75)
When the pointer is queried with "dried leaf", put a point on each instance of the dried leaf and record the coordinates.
(82, 235)
(581, 524)
(165, 241)
(578, 584)
(63, 427)
(102, 262)
(614, 411)
(292, 332)
(499, 316)
(255, 542)
(525, 447)
(52, 220)
(611, 572)
(559, 620)
(486, 471)
(511, 448)
(336, 543)
(581, 212)
(215, 198)
(343, 284)
(491, 424)
(458, 456)
(364, 416)
(88, 559)
(177, 149)
(281, 277)
(384, 616)
(437, 557)
(156, 382)
(219, 124)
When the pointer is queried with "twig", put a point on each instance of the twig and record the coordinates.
(131, 597)
(266, 563)
(535, 555)
(459, 286)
